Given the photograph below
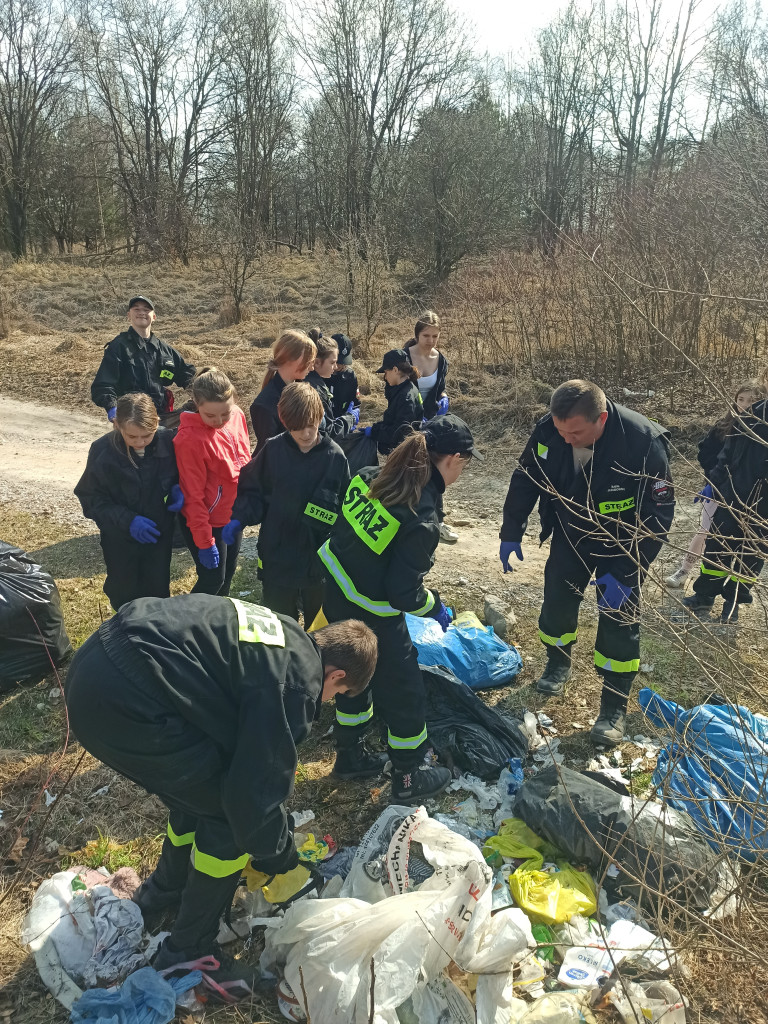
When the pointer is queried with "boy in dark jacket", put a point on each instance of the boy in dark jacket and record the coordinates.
(203, 700)
(293, 487)
(137, 360)
(404, 405)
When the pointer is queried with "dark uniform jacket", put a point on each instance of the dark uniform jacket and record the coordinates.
(237, 684)
(266, 423)
(404, 407)
(333, 426)
(741, 473)
(295, 496)
(345, 390)
(435, 393)
(132, 363)
(709, 449)
(379, 556)
(622, 495)
(113, 490)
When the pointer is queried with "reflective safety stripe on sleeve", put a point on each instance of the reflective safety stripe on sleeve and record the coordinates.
(612, 665)
(359, 719)
(180, 840)
(348, 588)
(214, 866)
(558, 641)
(407, 742)
(541, 450)
(428, 605)
(714, 572)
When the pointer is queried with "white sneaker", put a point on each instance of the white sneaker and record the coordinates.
(447, 535)
(678, 578)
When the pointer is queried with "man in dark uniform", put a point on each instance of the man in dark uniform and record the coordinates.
(203, 701)
(137, 360)
(600, 473)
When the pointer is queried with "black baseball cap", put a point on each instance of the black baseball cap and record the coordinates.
(140, 298)
(450, 435)
(345, 349)
(395, 357)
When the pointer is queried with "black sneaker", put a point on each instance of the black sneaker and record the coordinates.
(552, 680)
(698, 606)
(729, 614)
(358, 762)
(608, 730)
(152, 900)
(225, 979)
(418, 783)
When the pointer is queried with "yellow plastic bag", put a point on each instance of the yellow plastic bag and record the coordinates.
(515, 841)
(313, 850)
(283, 887)
(318, 622)
(553, 898)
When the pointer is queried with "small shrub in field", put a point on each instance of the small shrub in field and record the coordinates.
(289, 294)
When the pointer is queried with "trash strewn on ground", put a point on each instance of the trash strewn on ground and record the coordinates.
(470, 650)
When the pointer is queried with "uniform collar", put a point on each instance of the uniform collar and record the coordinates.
(142, 342)
(437, 479)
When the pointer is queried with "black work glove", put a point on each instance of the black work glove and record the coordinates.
(279, 863)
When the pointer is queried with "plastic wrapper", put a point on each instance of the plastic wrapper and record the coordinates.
(655, 1001)
(553, 897)
(467, 732)
(32, 633)
(467, 648)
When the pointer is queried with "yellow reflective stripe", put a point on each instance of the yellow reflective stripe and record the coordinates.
(612, 665)
(214, 866)
(428, 605)
(714, 572)
(180, 840)
(318, 512)
(373, 524)
(258, 625)
(348, 588)
(608, 508)
(743, 579)
(407, 742)
(541, 450)
(558, 641)
(259, 564)
(359, 719)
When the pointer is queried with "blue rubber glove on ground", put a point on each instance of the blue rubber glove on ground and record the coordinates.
(507, 548)
(367, 431)
(230, 531)
(614, 593)
(443, 616)
(144, 530)
(704, 494)
(354, 413)
(111, 413)
(176, 502)
(442, 406)
(209, 557)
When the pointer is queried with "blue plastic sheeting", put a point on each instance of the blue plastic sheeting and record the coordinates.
(716, 771)
(475, 656)
(143, 998)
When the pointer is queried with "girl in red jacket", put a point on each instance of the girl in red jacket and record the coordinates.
(211, 448)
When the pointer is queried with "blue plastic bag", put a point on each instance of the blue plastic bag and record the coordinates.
(143, 998)
(716, 771)
(475, 655)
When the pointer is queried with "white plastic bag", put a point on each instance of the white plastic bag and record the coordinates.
(344, 948)
(555, 1008)
(657, 1002)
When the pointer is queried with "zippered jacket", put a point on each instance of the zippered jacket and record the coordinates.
(296, 497)
(434, 394)
(264, 419)
(245, 679)
(209, 462)
(344, 386)
(378, 557)
(404, 407)
(132, 363)
(114, 488)
(332, 426)
(741, 473)
(623, 496)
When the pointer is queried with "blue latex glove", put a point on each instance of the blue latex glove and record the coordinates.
(442, 406)
(144, 530)
(354, 413)
(111, 413)
(230, 531)
(443, 616)
(614, 593)
(367, 431)
(507, 548)
(705, 493)
(176, 502)
(209, 557)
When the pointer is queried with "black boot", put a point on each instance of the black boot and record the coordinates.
(556, 674)
(357, 762)
(412, 785)
(608, 730)
(730, 613)
(162, 890)
(698, 606)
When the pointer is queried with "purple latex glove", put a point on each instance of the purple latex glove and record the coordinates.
(704, 494)
(230, 531)
(442, 406)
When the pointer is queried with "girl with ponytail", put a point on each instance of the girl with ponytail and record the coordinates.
(292, 356)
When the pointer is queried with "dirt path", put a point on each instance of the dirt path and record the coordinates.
(42, 452)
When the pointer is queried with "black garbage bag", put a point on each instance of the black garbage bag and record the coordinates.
(465, 730)
(360, 451)
(657, 849)
(32, 632)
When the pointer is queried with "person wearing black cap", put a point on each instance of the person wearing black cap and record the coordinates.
(343, 382)
(137, 360)
(381, 547)
(404, 405)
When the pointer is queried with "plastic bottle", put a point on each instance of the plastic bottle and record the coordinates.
(510, 780)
